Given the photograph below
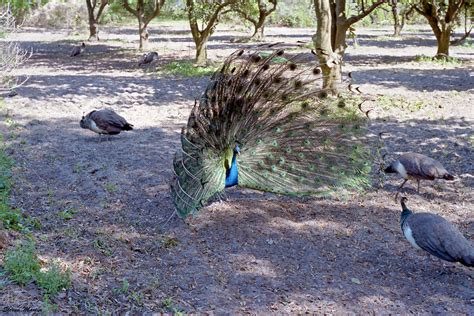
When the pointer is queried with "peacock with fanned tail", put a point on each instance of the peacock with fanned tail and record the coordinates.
(264, 122)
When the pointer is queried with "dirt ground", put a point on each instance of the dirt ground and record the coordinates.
(254, 253)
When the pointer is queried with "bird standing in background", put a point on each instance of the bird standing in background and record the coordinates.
(148, 58)
(105, 122)
(264, 122)
(436, 235)
(77, 50)
(418, 167)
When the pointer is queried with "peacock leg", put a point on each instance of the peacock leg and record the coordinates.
(400, 188)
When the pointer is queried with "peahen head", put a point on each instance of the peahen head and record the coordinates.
(85, 122)
(405, 211)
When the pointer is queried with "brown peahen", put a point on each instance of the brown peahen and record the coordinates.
(105, 122)
(265, 123)
(77, 50)
(148, 58)
(418, 167)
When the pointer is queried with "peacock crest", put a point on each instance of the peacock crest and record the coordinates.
(265, 122)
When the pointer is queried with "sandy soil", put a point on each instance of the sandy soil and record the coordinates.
(256, 252)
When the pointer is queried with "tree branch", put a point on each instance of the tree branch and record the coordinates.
(127, 7)
(353, 19)
(244, 14)
(215, 15)
(103, 4)
(156, 12)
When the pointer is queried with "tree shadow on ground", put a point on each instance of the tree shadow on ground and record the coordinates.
(115, 90)
(255, 252)
(455, 79)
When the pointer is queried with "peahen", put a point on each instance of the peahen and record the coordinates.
(418, 167)
(265, 123)
(148, 58)
(105, 122)
(436, 235)
(77, 50)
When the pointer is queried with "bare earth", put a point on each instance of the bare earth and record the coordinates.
(254, 253)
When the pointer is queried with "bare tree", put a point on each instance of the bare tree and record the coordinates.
(256, 12)
(94, 16)
(144, 11)
(207, 13)
(11, 55)
(330, 37)
(442, 19)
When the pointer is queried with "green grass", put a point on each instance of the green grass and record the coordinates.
(22, 266)
(67, 214)
(188, 69)
(388, 102)
(444, 61)
(9, 218)
(111, 187)
(53, 280)
(21, 263)
(103, 246)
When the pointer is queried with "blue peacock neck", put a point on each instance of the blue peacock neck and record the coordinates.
(232, 174)
(404, 215)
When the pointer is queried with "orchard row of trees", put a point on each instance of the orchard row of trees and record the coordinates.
(334, 19)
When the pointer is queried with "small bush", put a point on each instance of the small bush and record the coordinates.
(53, 280)
(59, 15)
(23, 266)
(21, 263)
(187, 69)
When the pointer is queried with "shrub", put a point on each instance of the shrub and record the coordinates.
(21, 263)
(11, 54)
(59, 15)
(53, 280)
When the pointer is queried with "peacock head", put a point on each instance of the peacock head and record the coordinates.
(84, 123)
(237, 149)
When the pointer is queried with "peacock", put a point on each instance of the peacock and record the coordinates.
(77, 50)
(264, 122)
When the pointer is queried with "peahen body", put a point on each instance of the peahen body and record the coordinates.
(105, 122)
(77, 50)
(148, 58)
(419, 167)
(265, 123)
(436, 235)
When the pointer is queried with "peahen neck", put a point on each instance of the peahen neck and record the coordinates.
(232, 175)
(405, 213)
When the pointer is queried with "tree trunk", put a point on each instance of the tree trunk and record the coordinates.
(93, 31)
(332, 77)
(142, 32)
(443, 43)
(201, 52)
(397, 27)
(258, 34)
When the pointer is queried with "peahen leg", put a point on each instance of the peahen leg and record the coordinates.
(400, 188)
(418, 182)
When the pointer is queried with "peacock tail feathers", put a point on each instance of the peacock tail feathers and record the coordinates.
(294, 137)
